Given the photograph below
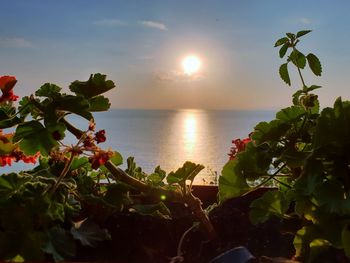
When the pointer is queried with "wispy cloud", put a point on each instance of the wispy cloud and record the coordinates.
(154, 24)
(110, 22)
(177, 76)
(305, 21)
(15, 42)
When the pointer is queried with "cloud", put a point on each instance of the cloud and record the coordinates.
(154, 24)
(15, 42)
(109, 22)
(176, 76)
(305, 21)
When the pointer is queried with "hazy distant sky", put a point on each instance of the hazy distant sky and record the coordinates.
(140, 45)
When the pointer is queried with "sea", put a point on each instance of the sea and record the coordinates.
(169, 138)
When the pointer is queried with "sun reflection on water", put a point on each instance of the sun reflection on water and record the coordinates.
(189, 133)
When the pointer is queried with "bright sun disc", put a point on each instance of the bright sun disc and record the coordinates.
(191, 64)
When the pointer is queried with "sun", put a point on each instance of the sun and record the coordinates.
(191, 64)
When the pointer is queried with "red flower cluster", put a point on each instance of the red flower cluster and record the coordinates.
(100, 158)
(17, 156)
(11, 152)
(6, 85)
(100, 136)
(238, 146)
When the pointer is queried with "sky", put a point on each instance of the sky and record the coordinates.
(140, 45)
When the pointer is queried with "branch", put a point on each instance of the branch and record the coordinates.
(194, 203)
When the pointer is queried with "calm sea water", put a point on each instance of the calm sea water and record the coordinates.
(170, 137)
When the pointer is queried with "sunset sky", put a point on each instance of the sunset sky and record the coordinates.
(141, 46)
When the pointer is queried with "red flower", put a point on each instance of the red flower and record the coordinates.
(17, 156)
(99, 158)
(238, 146)
(100, 136)
(5, 160)
(89, 142)
(6, 85)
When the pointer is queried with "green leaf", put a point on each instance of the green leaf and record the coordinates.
(11, 184)
(7, 117)
(26, 107)
(302, 33)
(302, 240)
(96, 85)
(115, 195)
(293, 158)
(313, 87)
(270, 131)
(291, 114)
(74, 104)
(330, 196)
(60, 244)
(317, 246)
(296, 96)
(158, 209)
(48, 90)
(156, 178)
(6, 144)
(306, 184)
(290, 35)
(231, 182)
(314, 64)
(272, 203)
(89, 233)
(34, 137)
(6, 111)
(333, 127)
(99, 103)
(283, 50)
(298, 58)
(10, 122)
(316, 108)
(284, 73)
(305, 208)
(79, 162)
(56, 211)
(254, 161)
(116, 159)
(133, 170)
(281, 41)
(188, 171)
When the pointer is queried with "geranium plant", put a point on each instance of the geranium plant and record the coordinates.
(45, 213)
(305, 152)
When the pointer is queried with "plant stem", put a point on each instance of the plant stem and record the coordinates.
(280, 182)
(266, 180)
(63, 174)
(299, 71)
(301, 77)
(179, 257)
(76, 132)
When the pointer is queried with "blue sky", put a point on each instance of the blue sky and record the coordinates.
(140, 45)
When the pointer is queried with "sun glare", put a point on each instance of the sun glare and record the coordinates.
(191, 65)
